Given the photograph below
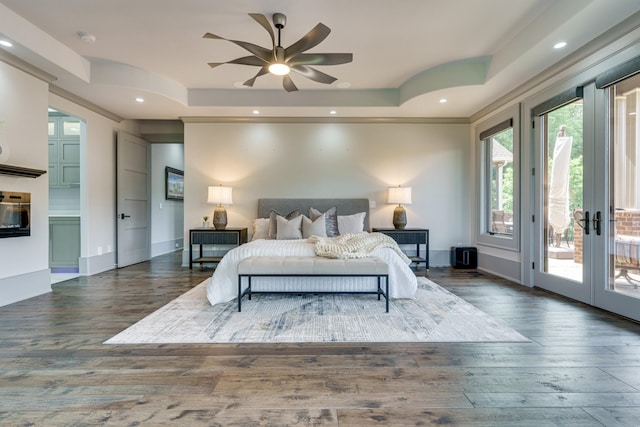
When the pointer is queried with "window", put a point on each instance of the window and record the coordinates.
(498, 160)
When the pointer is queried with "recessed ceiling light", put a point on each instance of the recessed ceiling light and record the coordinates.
(443, 100)
(559, 45)
(343, 85)
(140, 100)
(332, 112)
(256, 111)
(6, 43)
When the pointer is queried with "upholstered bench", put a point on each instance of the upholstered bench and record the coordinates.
(312, 266)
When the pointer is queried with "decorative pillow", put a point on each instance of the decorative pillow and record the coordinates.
(260, 228)
(331, 220)
(351, 223)
(288, 229)
(273, 225)
(314, 228)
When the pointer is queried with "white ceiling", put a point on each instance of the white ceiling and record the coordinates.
(407, 54)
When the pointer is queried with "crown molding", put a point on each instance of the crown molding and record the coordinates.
(84, 103)
(24, 66)
(382, 120)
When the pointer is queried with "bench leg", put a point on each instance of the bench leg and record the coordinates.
(387, 291)
(379, 288)
(239, 293)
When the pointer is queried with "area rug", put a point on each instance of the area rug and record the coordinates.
(434, 315)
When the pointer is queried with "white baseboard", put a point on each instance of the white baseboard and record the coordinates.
(500, 267)
(168, 246)
(23, 286)
(97, 264)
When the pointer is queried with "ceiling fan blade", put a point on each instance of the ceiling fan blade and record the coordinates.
(264, 70)
(311, 39)
(248, 60)
(288, 84)
(262, 20)
(259, 51)
(320, 59)
(313, 74)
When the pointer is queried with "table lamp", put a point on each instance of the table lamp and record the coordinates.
(221, 196)
(399, 195)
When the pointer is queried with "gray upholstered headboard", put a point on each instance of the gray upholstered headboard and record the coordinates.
(344, 206)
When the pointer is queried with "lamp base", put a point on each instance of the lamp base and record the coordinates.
(220, 218)
(399, 218)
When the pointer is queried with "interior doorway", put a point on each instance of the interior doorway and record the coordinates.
(66, 135)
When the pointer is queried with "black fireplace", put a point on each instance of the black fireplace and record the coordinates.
(15, 214)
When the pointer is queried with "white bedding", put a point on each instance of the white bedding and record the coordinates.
(223, 285)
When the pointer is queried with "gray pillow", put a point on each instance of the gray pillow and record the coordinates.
(288, 229)
(330, 220)
(273, 224)
(314, 228)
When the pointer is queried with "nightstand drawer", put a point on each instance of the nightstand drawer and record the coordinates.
(217, 238)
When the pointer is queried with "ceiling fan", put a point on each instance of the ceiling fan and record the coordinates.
(280, 61)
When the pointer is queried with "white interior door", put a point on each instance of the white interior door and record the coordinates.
(133, 164)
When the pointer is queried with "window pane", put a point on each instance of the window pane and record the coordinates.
(500, 168)
(563, 178)
(71, 127)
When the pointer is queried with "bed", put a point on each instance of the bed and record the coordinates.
(223, 285)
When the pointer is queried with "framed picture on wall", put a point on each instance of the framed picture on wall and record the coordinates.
(174, 184)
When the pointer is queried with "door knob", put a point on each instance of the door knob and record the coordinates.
(123, 216)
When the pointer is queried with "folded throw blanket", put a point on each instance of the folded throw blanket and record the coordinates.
(359, 245)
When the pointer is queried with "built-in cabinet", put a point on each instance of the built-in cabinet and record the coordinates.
(64, 151)
(64, 241)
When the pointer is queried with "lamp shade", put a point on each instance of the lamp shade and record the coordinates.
(219, 195)
(399, 195)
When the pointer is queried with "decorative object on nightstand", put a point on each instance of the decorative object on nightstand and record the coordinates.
(205, 221)
(221, 196)
(399, 195)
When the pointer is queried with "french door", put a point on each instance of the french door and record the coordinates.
(618, 272)
(587, 196)
(564, 204)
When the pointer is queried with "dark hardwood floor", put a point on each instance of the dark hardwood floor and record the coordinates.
(581, 368)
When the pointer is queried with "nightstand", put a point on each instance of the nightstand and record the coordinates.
(410, 236)
(210, 236)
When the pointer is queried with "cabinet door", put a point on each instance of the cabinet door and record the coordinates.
(64, 242)
(69, 163)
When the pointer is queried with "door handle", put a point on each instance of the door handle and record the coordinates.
(584, 222)
(596, 222)
(123, 216)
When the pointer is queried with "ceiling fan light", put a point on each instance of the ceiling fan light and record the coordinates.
(279, 69)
